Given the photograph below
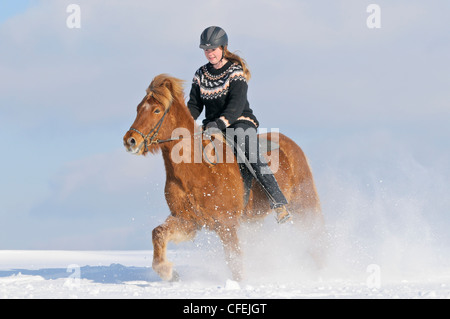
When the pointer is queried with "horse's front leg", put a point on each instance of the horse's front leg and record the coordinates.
(232, 249)
(173, 229)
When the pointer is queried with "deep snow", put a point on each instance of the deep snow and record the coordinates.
(126, 274)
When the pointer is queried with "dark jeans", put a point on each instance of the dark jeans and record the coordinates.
(245, 137)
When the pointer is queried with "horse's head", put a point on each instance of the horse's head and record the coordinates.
(152, 120)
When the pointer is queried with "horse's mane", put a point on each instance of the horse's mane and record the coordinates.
(165, 89)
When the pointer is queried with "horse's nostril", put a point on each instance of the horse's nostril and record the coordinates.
(132, 141)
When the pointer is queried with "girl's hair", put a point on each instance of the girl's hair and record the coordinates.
(234, 58)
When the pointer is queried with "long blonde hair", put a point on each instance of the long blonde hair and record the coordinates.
(234, 58)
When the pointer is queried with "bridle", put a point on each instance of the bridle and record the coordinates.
(150, 138)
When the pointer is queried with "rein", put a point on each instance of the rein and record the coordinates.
(151, 139)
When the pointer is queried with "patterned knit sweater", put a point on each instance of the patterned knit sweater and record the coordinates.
(223, 94)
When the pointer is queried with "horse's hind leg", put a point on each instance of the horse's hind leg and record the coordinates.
(311, 224)
(233, 256)
(173, 229)
(317, 240)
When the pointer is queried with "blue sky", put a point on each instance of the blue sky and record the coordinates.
(9, 9)
(370, 107)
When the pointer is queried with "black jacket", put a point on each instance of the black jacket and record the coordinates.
(223, 93)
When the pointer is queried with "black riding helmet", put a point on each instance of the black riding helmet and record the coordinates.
(213, 37)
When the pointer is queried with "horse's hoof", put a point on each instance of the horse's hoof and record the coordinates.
(175, 276)
(164, 270)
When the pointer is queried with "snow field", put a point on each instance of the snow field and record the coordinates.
(274, 269)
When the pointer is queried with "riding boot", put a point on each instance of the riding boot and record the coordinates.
(277, 200)
(283, 215)
(269, 182)
(248, 143)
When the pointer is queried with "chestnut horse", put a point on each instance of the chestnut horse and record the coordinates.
(200, 194)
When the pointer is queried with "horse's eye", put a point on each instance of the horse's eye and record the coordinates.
(157, 111)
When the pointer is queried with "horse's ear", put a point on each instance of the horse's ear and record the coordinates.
(175, 86)
(168, 84)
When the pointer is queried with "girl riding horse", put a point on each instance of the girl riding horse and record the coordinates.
(220, 86)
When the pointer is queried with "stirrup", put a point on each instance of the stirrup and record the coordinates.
(283, 215)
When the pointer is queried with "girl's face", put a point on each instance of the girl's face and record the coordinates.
(214, 56)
